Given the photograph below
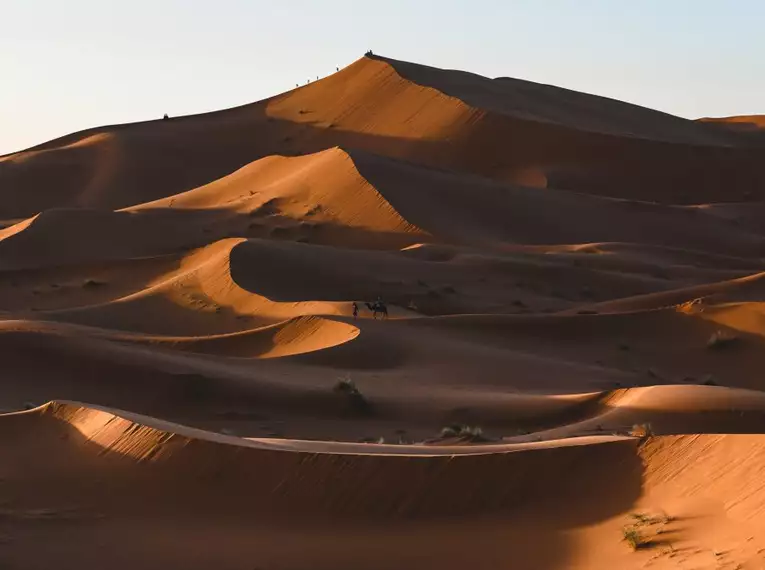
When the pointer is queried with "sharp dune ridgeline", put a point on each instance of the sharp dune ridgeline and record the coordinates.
(569, 374)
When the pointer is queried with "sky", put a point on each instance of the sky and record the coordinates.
(67, 65)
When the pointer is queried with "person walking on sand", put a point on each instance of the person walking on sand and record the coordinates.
(355, 311)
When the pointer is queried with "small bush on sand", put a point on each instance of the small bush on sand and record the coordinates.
(472, 432)
(644, 519)
(462, 431)
(642, 431)
(90, 283)
(721, 339)
(633, 537)
(348, 388)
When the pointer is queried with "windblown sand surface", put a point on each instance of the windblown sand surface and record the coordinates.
(580, 278)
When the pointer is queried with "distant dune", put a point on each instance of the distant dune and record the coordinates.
(744, 122)
(569, 374)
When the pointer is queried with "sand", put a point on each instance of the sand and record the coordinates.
(573, 350)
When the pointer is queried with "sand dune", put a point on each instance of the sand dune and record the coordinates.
(571, 356)
(748, 287)
(742, 122)
(324, 192)
(334, 482)
(551, 136)
(406, 111)
(530, 101)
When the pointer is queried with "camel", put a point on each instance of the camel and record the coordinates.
(378, 307)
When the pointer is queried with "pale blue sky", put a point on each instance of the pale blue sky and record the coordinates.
(66, 65)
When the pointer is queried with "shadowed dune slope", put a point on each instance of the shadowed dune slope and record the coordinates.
(73, 236)
(531, 101)
(352, 484)
(454, 206)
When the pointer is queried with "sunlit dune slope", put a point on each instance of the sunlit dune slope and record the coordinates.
(743, 122)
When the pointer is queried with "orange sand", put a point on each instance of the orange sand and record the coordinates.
(579, 277)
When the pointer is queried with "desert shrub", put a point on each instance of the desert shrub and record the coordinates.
(90, 283)
(642, 431)
(633, 537)
(348, 388)
(451, 431)
(459, 430)
(721, 339)
(644, 519)
(472, 431)
(633, 534)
